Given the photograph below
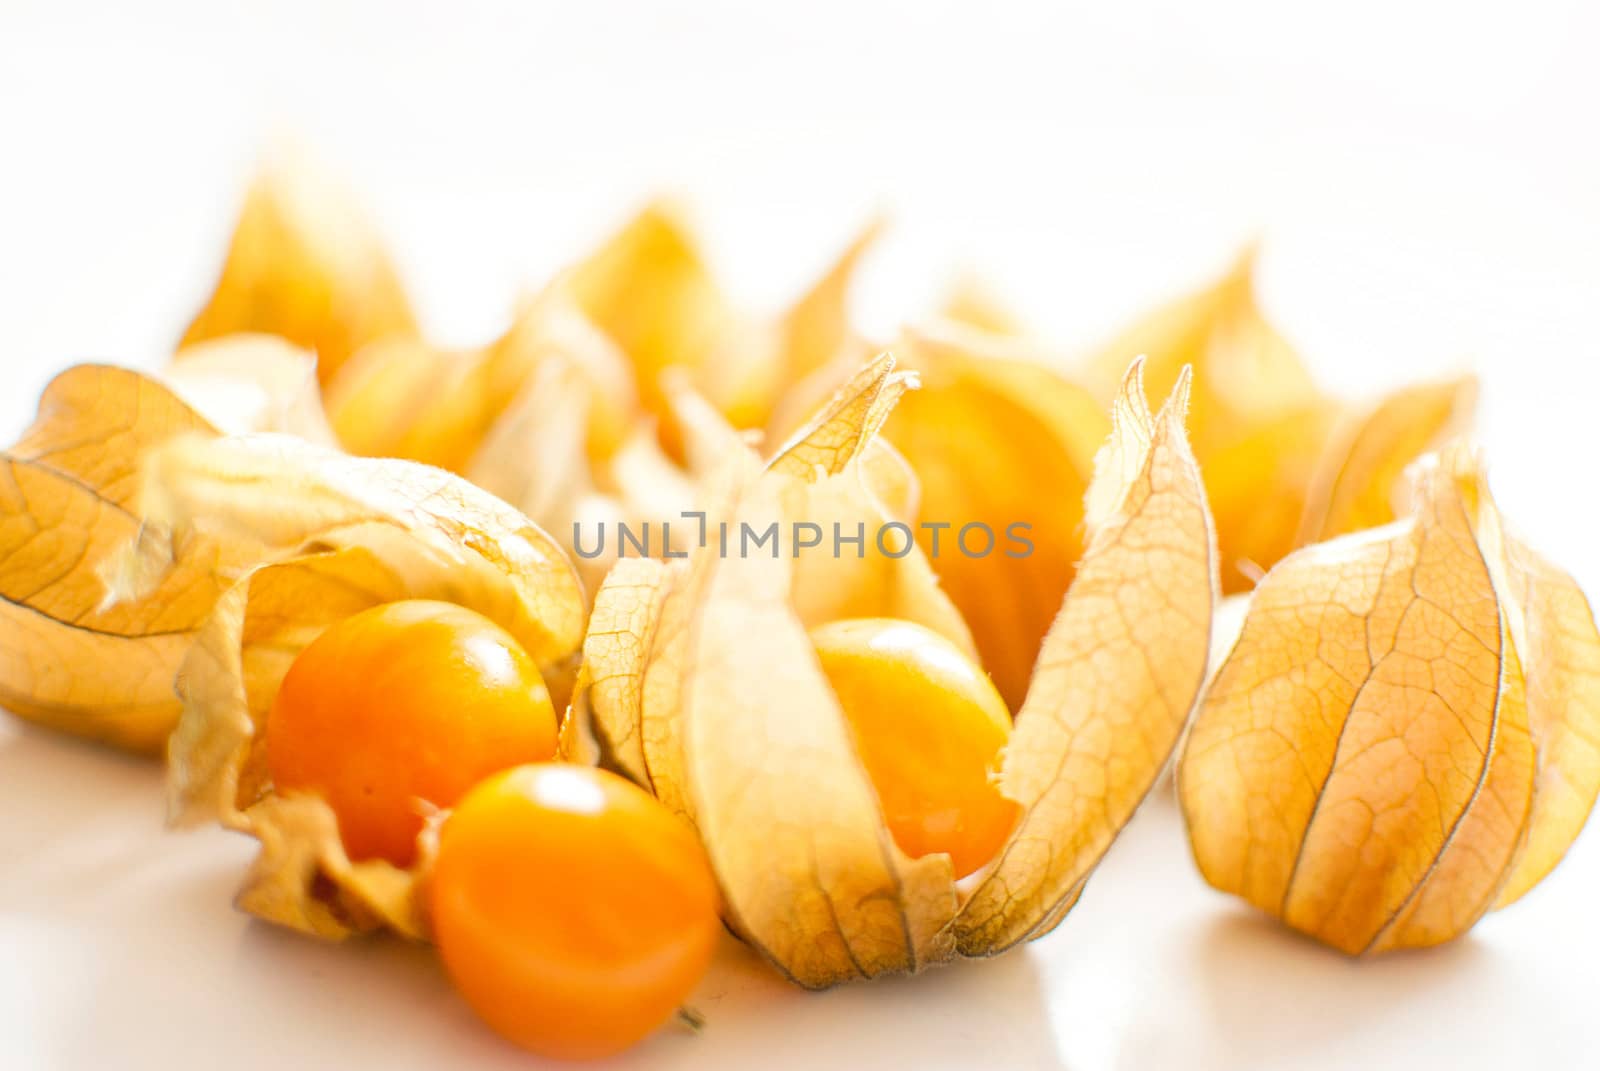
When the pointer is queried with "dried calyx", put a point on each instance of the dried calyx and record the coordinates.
(703, 684)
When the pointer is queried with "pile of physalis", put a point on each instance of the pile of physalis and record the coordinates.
(908, 649)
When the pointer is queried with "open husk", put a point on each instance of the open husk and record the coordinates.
(704, 687)
(990, 429)
(346, 534)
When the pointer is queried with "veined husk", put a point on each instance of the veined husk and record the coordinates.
(73, 655)
(346, 534)
(1406, 733)
(546, 417)
(993, 422)
(576, 415)
(1285, 464)
(702, 685)
(97, 605)
(573, 414)
(306, 264)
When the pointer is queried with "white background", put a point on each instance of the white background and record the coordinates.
(1426, 180)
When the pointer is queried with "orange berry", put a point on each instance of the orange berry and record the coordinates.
(931, 731)
(405, 702)
(573, 911)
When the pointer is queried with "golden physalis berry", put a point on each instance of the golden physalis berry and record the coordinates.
(931, 731)
(406, 702)
(573, 911)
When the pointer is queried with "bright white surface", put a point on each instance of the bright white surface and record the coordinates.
(1427, 184)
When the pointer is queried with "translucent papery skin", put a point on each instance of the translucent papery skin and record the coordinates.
(348, 534)
(1406, 733)
(97, 608)
(1285, 463)
(706, 687)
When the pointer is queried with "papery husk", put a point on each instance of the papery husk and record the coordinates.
(349, 534)
(649, 288)
(1406, 733)
(1285, 464)
(994, 422)
(706, 689)
(89, 642)
(244, 383)
(547, 418)
(407, 398)
(306, 264)
(535, 458)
